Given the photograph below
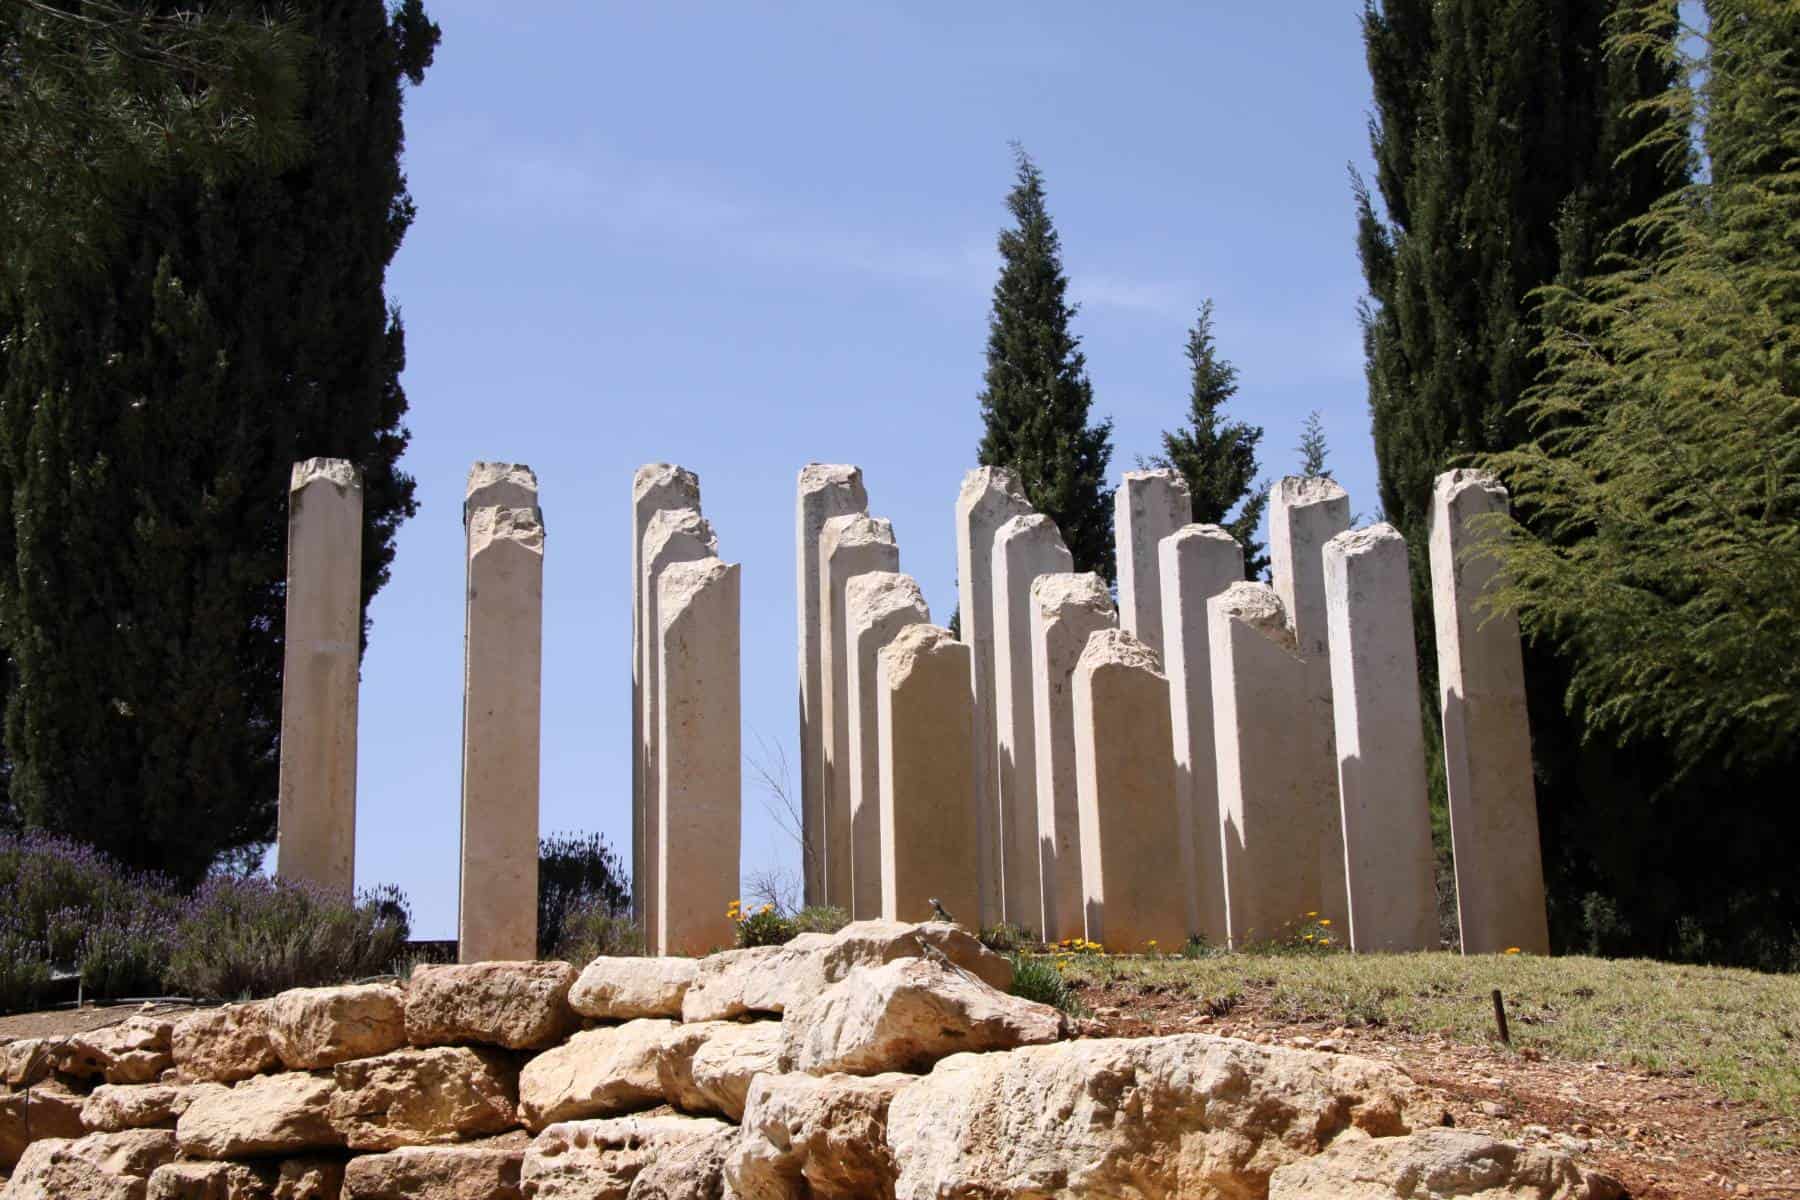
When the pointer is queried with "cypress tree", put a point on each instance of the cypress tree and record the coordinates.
(1313, 448)
(1035, 405)
(150, 410)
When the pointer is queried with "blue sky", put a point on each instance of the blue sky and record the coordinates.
(741, 237)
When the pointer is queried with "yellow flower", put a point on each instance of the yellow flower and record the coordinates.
(1312, 914)
(1325, 920)
(1512, 950)
(1309, 937)
(1151, 943)
(1324, 941)
(768, 908)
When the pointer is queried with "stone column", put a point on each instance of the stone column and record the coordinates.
(1197, 563)
(1148, 507)
(321, 659)
(1066, 609)
(1125, 786)
(673, 535)
(1304, 514)
(825, 490)
(1267, 811)
(502, 688)
(877, 606)
(700, 775)
(1380, 746)
(990, 497)
(1487, 740)
(655, 486)
(849, 546)
(1024, 548)
(925, 717)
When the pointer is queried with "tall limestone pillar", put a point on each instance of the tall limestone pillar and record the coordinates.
(1304, 514)
(877, 606)
(849, 546)
(502, 697)
(824, 491)
(1148, 507)
(1125, 786)
(990, 497)
(1198, 562)
(316, 806)
(1487, 740)
(673, 535)
(925, 720)
(1066, 609)
(700, 776)
(1380, 746)
(654, 487)
(1024, 548)
(1267, 809)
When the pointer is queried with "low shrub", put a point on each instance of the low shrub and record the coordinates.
(1039, 978)
(1006, 938)
(764, 926)
(24, 969)
(820, 918)
(596, 931)
(581, 880)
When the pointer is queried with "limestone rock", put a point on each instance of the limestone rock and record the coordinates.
(596, 1073)
(1438, 1164)
(28, 1060)
(320, 1027)
(134, 1051)
(707, 1067)
(1188, 1116)
(481, 1171)
(904, 1016)
(816, 1136)
(46, 1111)
(224, 1045)
(871, 943)
(518, 1005)
(100, 1166)
(691, 1169)
(112, 1107)
(736, 983)
(269, 1115)
(621, 989)
(291, 1179)
(418, 1097)
(607, 1160)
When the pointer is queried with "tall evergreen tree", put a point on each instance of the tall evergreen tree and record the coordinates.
(1217, 456)
(150, 409)
(1035, 405)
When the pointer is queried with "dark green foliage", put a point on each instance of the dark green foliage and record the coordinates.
(1313, 448)
(1216, 456)
(1037, 395)
(151, 407)
(592, 930)
(1005, 938)
(1037, 977)
(580, 879)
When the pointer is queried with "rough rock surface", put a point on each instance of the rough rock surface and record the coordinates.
(823, 1136)
(134, 1051)
(224, 1045)
(518, 1005)
(1188, 1115)
(112, 1107)
(904, 1016)
(100, 1166)
(482, 1171)
(28, 1060)
(871, 943)
(737, 983)
(270, 1114)
(320, 1027)
(621, 989)
(46, 1111)
(606, 1160)
(707, 1067)
(291, 1179)
(1438, 1164)
(421, 1097)
(596, 1073)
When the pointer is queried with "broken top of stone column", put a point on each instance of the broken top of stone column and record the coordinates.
(1148, 507)
(341, 473)
(878, 606)
(1299, 581)
(499, 485)
(516, 526)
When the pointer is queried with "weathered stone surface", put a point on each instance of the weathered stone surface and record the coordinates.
(100, 1166)
(518, 1005)
(707, 1068)
(1438, 1164)
(111, 1107)
(596, 1073)
(807, 1137)
(688, 1169)
(319, 1027)
(1184, 1116)
(481, 1171)
(28, 1060)
(619, 989)
(606, 1160)
(48, 1110)
(134, 1051)
(1147, 507)
(418, 1097)
(290, 1179)
(871, 943)
(224, 1045)
(904, 1016)
(734, 983)
(269, 1115)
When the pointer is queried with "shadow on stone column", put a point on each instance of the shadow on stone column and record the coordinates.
(878, 605)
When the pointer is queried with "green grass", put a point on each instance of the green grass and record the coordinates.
(1736, 1030)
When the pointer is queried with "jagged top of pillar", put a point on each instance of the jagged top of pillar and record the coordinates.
(1165, 475)
(1355, 542)
(916, 645)
(1451, 486)
(816, 476)
(1201, 533)
(1033, 525)
(668, 480)
(682, 583)
(1258, 606)
(490, 524)
(1296, 491)
(1117, 648)
(991, 484)
(873, 595)
(499, 485)
(666, 525)
(340, 473)
(1060, 590)
(856, 529)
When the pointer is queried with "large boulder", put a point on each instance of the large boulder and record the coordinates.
(752, 981)
(518, 1005)
(1188, 1116)
(707, 1067)
(816, 1136)
(290, 1179)
(321, 1027)
(28, 1060)
(136, 1050)
(1438, 1164)
(46, 1111)
(905, 1015)
(621, 989)
(480, 1171)
(420, 1097)
(112, 1107)
(269, 1115)
(596, 1073)
(224, 1045)
(100, 1166)
(606, 1160)
(871, 943)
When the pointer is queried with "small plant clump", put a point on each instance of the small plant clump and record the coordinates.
(1006, 938)
(1037, 977)
(768, 925)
